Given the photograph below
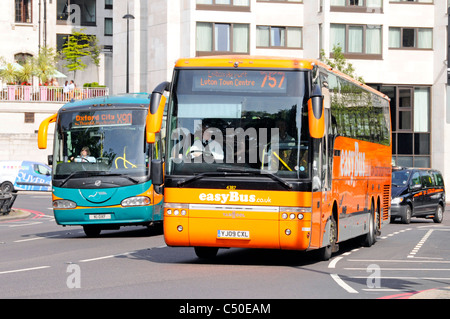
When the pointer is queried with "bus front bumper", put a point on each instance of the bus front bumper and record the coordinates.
(228, 228)
(107, 215)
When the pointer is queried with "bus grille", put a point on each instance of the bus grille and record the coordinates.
(386, 201)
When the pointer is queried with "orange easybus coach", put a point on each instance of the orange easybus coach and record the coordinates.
(265, 152)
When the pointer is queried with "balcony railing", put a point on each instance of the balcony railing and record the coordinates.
(48, 93)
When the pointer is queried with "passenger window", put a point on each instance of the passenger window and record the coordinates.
(427, 180)
(438, 179)
(415, 179)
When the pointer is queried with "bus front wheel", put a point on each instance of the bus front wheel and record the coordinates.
(206, 252)
(326, 252)
(92, 231)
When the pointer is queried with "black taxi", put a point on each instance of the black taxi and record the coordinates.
(417, 192)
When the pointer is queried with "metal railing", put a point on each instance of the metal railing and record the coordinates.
(48, 93)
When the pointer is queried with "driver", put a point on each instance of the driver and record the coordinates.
(85, 156)
(207, 144)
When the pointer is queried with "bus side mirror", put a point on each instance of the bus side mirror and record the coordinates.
(316, 113)
(157, 172)
(43, 131)
(50, 160)
(156, 111)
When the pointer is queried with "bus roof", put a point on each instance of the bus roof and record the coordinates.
(246, 61)
(249, 61)
(131, 98)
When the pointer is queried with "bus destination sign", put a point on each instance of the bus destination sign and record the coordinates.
(240, 81)
(102, 118)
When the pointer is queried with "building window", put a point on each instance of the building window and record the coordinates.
(29, 117)
(22, 58)
(219, 38)
(278, 37)
(61, 40)
(298, 1)
(108, 26)
(410, 38)
(414, 1)
(24, 11)
(372, 6)
(226, 5)
(81, 12)
(357, 41)
(108, 4)
(410, 120)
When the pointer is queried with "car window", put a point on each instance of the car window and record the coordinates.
(438, 179)
(41, 169)
(400, 178)
(427, 180)
(415, 179)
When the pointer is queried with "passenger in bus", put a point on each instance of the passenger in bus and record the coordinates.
(85, 156)
(283, 136)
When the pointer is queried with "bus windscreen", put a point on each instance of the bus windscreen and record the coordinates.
(107, 141)
(239, 119)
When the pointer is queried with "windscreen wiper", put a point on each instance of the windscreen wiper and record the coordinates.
(225, 171)
(97, 173)
(256, 172)
(121, 175)
(78, 173)
(201, 175)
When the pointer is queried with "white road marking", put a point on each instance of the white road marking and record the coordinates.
(34, 238)
(342, 283)
(21, 270)
(104, 257)
(419, 244)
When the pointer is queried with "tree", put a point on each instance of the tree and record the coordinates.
(45, 63)
(77, 46)
(340, 62)
(9, 73)
(26, 73)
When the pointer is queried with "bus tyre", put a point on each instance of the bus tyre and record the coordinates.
(371, 237)
(206, 252)
(92, 231)
(326, 252)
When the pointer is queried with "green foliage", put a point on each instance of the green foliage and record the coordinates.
(93, 85)
(77, 46)
(340, 63)
(26, 73)
(9, 73)
(44, 64)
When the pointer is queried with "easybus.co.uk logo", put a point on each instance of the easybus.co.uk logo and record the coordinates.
(353, 163)
(232, 197)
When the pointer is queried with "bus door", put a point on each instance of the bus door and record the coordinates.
(157, 154)
(321, 190)
(321, 185)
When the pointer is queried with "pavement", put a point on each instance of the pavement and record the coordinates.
(15, 214)
(436, 293)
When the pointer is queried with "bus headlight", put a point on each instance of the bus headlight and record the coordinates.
(294, 212)
(136, 201)
(176, 209)
(64, 204)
